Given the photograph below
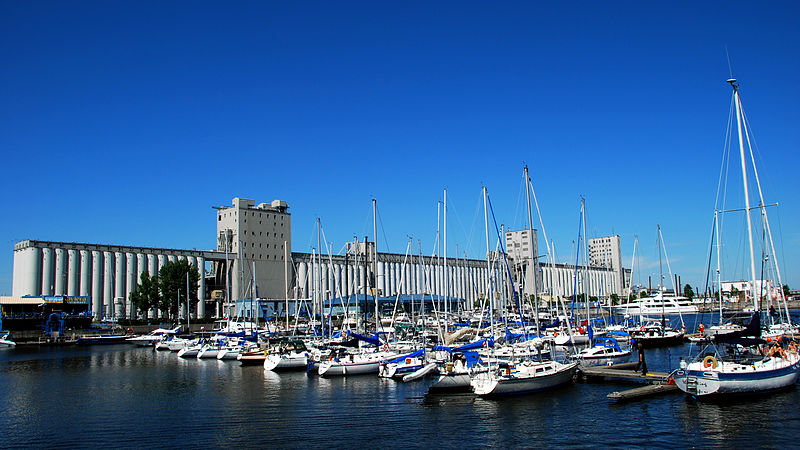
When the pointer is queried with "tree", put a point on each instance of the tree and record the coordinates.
(734, 292)
(172, 283)
(614, 299)
(146, 295)
(688, 292)
(786, 291)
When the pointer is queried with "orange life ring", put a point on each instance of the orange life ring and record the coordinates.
(710, 361)
(386, 347)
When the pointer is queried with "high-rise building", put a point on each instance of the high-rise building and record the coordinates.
(522, 248)
(606, 252)
(257, 237)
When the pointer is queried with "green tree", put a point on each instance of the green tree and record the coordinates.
(786, 290)
(147, 294)
(172, 284)
(688, 292)
(614, 299)
(734, 291)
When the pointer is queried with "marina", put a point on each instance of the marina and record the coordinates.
(118, 391)
(399, 225)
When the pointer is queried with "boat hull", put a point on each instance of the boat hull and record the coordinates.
(711, 383)
(451, 382)
(492, 386)
(278, 363)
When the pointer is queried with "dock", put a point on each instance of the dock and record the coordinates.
(642, 392)
(657, 383)
(623, 374)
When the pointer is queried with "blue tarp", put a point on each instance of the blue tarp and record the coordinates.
(368, 339)
(410, 355)
(477, 344)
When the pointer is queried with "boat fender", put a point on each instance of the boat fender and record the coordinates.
(710, 361)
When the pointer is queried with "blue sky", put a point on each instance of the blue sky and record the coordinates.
(124, 122)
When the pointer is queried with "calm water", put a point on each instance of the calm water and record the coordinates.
(122, 396)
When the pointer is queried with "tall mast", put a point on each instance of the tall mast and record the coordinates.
(738, 106)
(719, 266)
(661, 282)
(488, 262)
(585, 260)
(318, 279)
(535, 260)
(375, 255)
(446, 276)
(285, 284)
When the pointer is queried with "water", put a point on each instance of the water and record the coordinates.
(123, 397)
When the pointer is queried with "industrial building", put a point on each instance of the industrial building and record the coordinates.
(253, 258)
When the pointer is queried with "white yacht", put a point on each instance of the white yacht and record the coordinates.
(657, 304)
(151, 338)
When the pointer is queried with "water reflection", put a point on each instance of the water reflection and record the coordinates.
(130, 397)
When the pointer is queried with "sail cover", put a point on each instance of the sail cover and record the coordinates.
(752, 330)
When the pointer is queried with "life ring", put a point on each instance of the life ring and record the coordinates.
(580, 330)
(710, 361)
(386, 347)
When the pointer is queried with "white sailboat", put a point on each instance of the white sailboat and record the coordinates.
(744, 366)
(5, 339)
(523, 378)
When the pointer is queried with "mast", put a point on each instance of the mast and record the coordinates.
(446, 276)
(660, 280)
(253, 294)
(738, 106)
(586, 261)
(366, 286)
(285, 284)
(375, 255)
(318, 279)
(488, 262)
(719, 266)
(188, 311)
(535, 256)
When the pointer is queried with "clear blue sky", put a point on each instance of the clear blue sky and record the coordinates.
(124, 122)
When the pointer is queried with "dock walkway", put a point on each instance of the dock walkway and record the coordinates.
(658, 383)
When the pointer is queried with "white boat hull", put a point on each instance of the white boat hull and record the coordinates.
(490, 384)
(359, 365)
(286, 362)
(771, 374)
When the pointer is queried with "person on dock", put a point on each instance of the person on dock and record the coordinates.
(642, 363)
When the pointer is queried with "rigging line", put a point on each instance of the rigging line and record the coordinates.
(541, 221)
(508, 269)
(380, 221)
(474, 224)
(710, 253)
(725, 164)
(728, 55)
(517, 207)
(460, 223)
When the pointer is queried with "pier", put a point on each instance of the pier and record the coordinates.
(658, 383)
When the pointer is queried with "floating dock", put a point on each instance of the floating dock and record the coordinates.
(642, 392)
(658, 383)
(623, 374)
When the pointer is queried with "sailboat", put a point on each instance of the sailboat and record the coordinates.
(739, 362)
(519, 376)
(657, 333)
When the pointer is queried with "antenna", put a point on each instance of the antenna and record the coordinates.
(730, 70)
